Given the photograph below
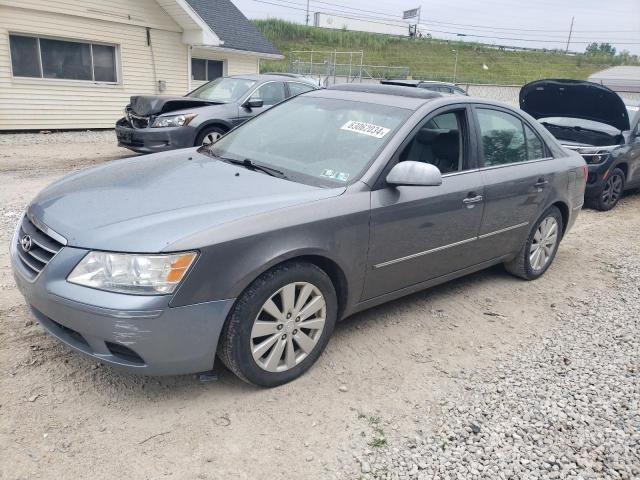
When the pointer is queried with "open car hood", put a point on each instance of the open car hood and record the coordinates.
(574, 99)
(146, 105)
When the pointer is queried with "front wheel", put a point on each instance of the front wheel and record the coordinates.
(610, 192)
(541, 246)
(280, 325)
(209, 136)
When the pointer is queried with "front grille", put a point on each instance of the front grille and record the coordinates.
(137, 121)
(73, 337)
(35, 248)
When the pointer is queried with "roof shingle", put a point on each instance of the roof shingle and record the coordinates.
(231, 26)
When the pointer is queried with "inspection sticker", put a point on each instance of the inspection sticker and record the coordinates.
(365, 129)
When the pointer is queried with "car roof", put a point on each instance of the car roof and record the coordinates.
(416, 82)
(261, 77)
(388, 95)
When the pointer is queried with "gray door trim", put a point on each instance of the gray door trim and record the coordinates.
(426, 252)
(503, 230)
(450, 245)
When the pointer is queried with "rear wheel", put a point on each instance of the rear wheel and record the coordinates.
(610, 192)
(280, 325)
(541, 246)
(209, 136)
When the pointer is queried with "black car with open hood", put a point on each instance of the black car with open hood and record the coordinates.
(594, 121)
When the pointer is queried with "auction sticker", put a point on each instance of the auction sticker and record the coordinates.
(365, 128)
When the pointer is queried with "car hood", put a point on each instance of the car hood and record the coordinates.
(574, 99)
(146, 105)
(146, 204)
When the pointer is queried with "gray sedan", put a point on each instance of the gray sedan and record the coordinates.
(333, 202)
(158, 123)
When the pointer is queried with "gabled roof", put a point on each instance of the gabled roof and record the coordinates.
(232, 27)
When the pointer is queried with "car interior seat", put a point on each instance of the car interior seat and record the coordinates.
(439, 147)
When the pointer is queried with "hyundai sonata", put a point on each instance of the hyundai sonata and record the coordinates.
(252, 248)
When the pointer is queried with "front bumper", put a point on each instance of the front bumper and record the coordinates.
(596, 179)
(141, 334)
(151, 140)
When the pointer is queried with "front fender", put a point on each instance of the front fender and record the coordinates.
(225, 269)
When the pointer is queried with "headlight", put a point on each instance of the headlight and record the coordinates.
(174, 120)
(596, 158)
(132, 273)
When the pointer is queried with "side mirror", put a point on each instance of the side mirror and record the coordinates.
(414, 173)
(253, 103)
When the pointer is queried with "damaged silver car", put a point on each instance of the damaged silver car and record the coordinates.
(159, 123)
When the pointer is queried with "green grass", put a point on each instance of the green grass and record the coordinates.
(427, 58)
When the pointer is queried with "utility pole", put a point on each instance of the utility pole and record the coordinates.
(455, 67)
(415, 32)
(570, 32)
(307, 13)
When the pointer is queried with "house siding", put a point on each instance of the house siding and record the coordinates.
(47, 104)
(35, 103)
(235, 64)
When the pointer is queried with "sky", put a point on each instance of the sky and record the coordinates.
(529, 23)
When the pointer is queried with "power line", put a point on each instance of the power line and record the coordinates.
(484, 27)
(384, 21)
(354, 8)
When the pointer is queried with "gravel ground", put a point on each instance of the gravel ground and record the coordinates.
(58, 138)
(564, 406)
(486, 374)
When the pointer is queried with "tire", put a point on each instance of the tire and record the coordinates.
(521, 266)
(610, 191)
(207, 135)
(241, 335)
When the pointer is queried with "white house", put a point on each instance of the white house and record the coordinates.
(68, 64)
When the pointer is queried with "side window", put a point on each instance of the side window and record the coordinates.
(199, 69)
(206, 70)
(270, 93)
(535, 147)
(296, 88)
(507, 139)
(439, 142)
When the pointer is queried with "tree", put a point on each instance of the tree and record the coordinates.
(601, 49)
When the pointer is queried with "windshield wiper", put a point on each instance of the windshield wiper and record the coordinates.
(250, 165)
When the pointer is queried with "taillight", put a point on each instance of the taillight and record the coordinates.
(585, 172)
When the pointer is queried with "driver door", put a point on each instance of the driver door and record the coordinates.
(270, 93)
(419, 233)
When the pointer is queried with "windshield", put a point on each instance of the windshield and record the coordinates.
(315, 140)
(223, 90)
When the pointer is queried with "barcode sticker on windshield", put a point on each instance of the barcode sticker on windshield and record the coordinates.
(365, 129)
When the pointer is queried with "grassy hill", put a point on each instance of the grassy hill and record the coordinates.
(425, 58)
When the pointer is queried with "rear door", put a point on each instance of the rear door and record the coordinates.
(518, 173)
(417, 232)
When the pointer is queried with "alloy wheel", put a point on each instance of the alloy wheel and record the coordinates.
(612, 189)
(288, 327)
(210, 138)
(544, 243)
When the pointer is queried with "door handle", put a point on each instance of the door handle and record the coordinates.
(472, 200)
(541, 183)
